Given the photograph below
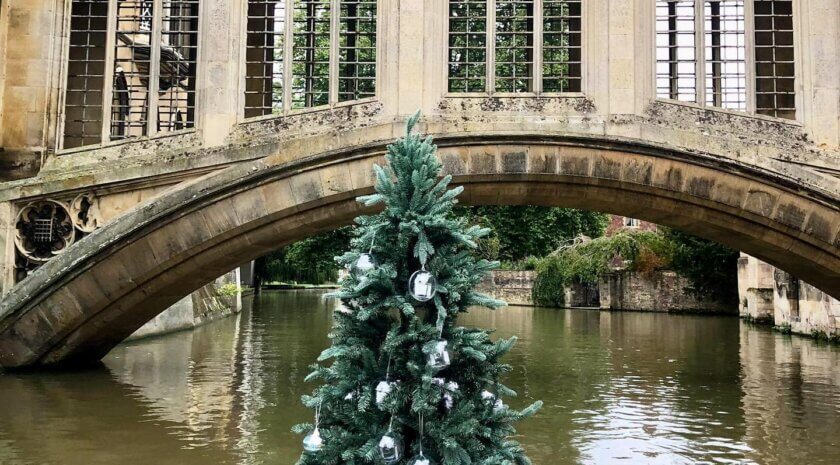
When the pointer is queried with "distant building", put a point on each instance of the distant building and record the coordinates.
(618, 223)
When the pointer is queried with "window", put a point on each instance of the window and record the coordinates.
(774, 66)
(534, 46)
(151, 69)
(308, 53)
(631, 222)
(137, 105)
(85, 73)
(704, 48)
(357, 50)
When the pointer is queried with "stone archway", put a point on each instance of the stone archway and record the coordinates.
(79, 305)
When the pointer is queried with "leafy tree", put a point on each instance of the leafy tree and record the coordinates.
(385, 334)
(311, 260)
(644, 251)
(711, 268)
(524, 231)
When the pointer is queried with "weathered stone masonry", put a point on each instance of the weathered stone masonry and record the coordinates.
(178, 209)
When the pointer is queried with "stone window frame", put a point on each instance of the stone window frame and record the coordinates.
(334, 97)
(109, 75)
(750, 61)
(537, 47)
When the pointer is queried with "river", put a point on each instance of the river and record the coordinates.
(619, 388)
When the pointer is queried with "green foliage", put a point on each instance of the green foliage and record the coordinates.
(528, 263)
(711, 268)
(524, 231)
(382, 333)
(644, 251)
(228, 289)
(311, 260)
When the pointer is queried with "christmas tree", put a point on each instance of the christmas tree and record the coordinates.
(404, 384)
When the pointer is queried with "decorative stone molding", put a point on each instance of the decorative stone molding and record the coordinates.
(44, 229)
(84, 210)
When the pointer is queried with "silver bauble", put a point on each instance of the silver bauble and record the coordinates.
(383, 389)
(391, 448)
(439, 358)
(363, 264)
(422, 285)
(421, 460)
(313, 441)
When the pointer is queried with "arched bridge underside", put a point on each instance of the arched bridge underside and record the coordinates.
(79, 305)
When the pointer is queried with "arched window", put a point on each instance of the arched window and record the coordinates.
(732, 54)
(515, 46)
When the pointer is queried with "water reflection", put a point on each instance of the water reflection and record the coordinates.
(619, 388)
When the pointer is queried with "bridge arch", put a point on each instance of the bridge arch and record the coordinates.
(75, 308)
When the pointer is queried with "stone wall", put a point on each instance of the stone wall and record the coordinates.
(662, 291)
(770, 295)
(512, 286)
(202, 306)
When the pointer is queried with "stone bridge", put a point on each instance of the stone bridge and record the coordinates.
(104, 228)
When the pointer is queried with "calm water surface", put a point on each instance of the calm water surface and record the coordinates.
(619, 388)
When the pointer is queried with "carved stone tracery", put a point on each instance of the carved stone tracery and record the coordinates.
(45, 228)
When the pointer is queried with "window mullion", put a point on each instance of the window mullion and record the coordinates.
(538, 46)
(335, 16)
(108, 77)
(749, 54)
(154, 68)
(491, 46)
(700, 51)
(288, 57)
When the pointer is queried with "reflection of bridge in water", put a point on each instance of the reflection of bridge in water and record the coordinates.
(123, 215)
(646, 385)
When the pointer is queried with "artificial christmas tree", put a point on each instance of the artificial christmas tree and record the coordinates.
(397, 359)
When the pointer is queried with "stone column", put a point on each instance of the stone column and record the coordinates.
(817, 25)
(785, 298)
(221, 72)
(7, 247)
(412, 56)
(622, 56)
(755, 289)
(29, 84)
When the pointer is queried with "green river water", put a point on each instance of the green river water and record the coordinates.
(619, 388)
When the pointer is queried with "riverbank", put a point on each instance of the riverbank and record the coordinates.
(660, 292)
(218, 299)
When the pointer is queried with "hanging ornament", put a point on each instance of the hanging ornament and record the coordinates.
(490, 398)
(386, 386)
(422, 285)
(391, 446)
(383, 389)
(313, 442)
(421, 459)
(439, 358)
(365, 262)
(449, 389)
(448, 395)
